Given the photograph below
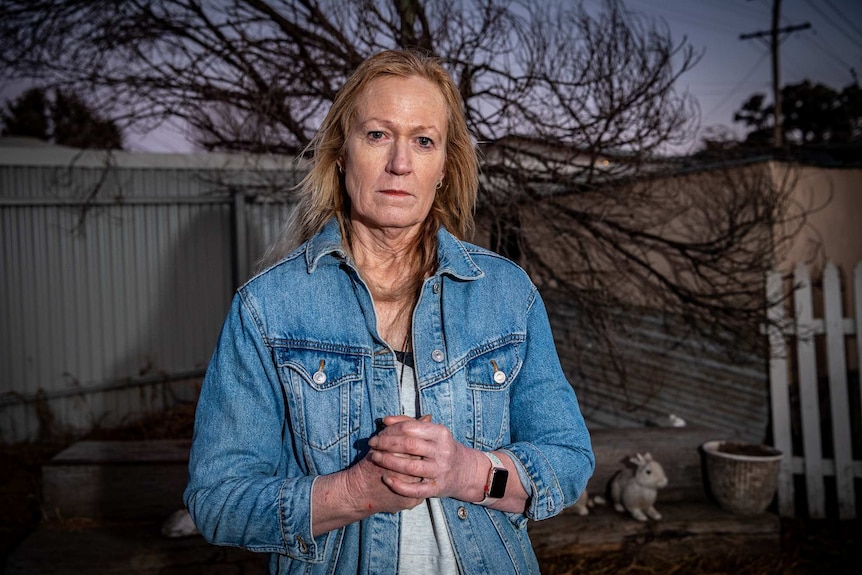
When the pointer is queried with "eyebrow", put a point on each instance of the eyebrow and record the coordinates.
(415, 129)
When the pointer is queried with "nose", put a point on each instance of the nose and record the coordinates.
(400, 162)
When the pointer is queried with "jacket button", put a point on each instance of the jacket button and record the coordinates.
(462, 513)
(319, 377)
(499, 376)
(436, 288)
(437, 355)
(303, 546)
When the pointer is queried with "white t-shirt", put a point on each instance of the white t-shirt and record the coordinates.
(426, 545)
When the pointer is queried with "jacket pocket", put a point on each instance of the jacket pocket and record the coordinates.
(324, 394)
(489, 379)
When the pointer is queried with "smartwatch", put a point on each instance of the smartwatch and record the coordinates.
(495, 486)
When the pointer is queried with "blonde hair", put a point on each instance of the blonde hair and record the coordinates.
(322, 194)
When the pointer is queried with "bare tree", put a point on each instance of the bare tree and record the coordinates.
(250, 74)
(569, 106)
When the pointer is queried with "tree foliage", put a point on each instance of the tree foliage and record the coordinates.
(569, 107)
(812, 114)
(65, 120)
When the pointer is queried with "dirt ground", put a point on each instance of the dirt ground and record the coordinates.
(807, 547)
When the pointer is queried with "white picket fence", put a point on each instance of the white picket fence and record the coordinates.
(796, 401)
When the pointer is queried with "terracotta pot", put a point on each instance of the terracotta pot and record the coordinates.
(743, 477)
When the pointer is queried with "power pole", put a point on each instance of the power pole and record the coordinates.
(774, 34)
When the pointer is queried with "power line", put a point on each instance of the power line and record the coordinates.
(844, 19)
(733, 91)
(679, 15)
(837, 59)
(850, 37)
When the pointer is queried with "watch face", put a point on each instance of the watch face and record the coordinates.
(498, 485)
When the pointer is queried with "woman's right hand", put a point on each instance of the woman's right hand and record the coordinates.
(366, 480)
(353, 494)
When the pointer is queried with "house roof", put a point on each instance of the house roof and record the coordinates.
(17, 151)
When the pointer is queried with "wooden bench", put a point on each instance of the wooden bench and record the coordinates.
(691, 522)
(116, 480)
(676, 448)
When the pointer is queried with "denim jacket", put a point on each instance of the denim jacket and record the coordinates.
(300, 374)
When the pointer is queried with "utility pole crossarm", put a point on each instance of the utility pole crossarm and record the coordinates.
(773, 33)
(784, 30)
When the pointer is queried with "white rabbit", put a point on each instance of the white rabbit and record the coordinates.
(635, 490)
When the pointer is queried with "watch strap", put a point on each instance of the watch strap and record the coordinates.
(496, 465)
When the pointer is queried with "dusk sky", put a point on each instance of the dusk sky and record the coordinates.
(731, 69)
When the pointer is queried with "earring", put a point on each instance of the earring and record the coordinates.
(339, 168)
(439, 185)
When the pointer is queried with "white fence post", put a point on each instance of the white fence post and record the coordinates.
(805, 327)
(808, 393)
(838, 396)
(779, 392)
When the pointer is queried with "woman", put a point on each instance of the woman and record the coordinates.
(386, 398)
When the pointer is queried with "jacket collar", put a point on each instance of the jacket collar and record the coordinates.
(452, 255)
(453, 258)
(326, 241)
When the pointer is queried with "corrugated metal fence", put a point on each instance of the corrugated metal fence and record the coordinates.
(117, 272)
(660, 369)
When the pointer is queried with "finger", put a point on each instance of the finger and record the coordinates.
(409, 445)
(409, 489)
(397, 462)
(422, 429)
(393, 419)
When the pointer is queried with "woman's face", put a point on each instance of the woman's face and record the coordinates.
(395, 153)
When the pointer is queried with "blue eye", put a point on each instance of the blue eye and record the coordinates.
(375, 135)
(424, 141)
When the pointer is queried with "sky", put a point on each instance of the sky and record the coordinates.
(731, 69)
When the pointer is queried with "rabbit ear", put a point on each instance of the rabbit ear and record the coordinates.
(647, 457)
(638, 459)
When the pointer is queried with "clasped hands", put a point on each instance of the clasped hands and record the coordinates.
(416, 459)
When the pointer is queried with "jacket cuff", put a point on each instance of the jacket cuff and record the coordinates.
(295, 507)
(539, 480)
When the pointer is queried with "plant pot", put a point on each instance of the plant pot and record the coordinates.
(743, 477)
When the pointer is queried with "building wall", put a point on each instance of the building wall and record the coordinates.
(649, 366)
(832, 227)
(829, 229)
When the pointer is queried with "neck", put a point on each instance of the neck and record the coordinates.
(388, 262)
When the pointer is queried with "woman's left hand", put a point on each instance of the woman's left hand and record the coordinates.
(427, 451)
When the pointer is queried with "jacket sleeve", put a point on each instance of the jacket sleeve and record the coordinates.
(244, 488)
(550, 442)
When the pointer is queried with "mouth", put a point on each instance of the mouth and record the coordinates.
(395, 193)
